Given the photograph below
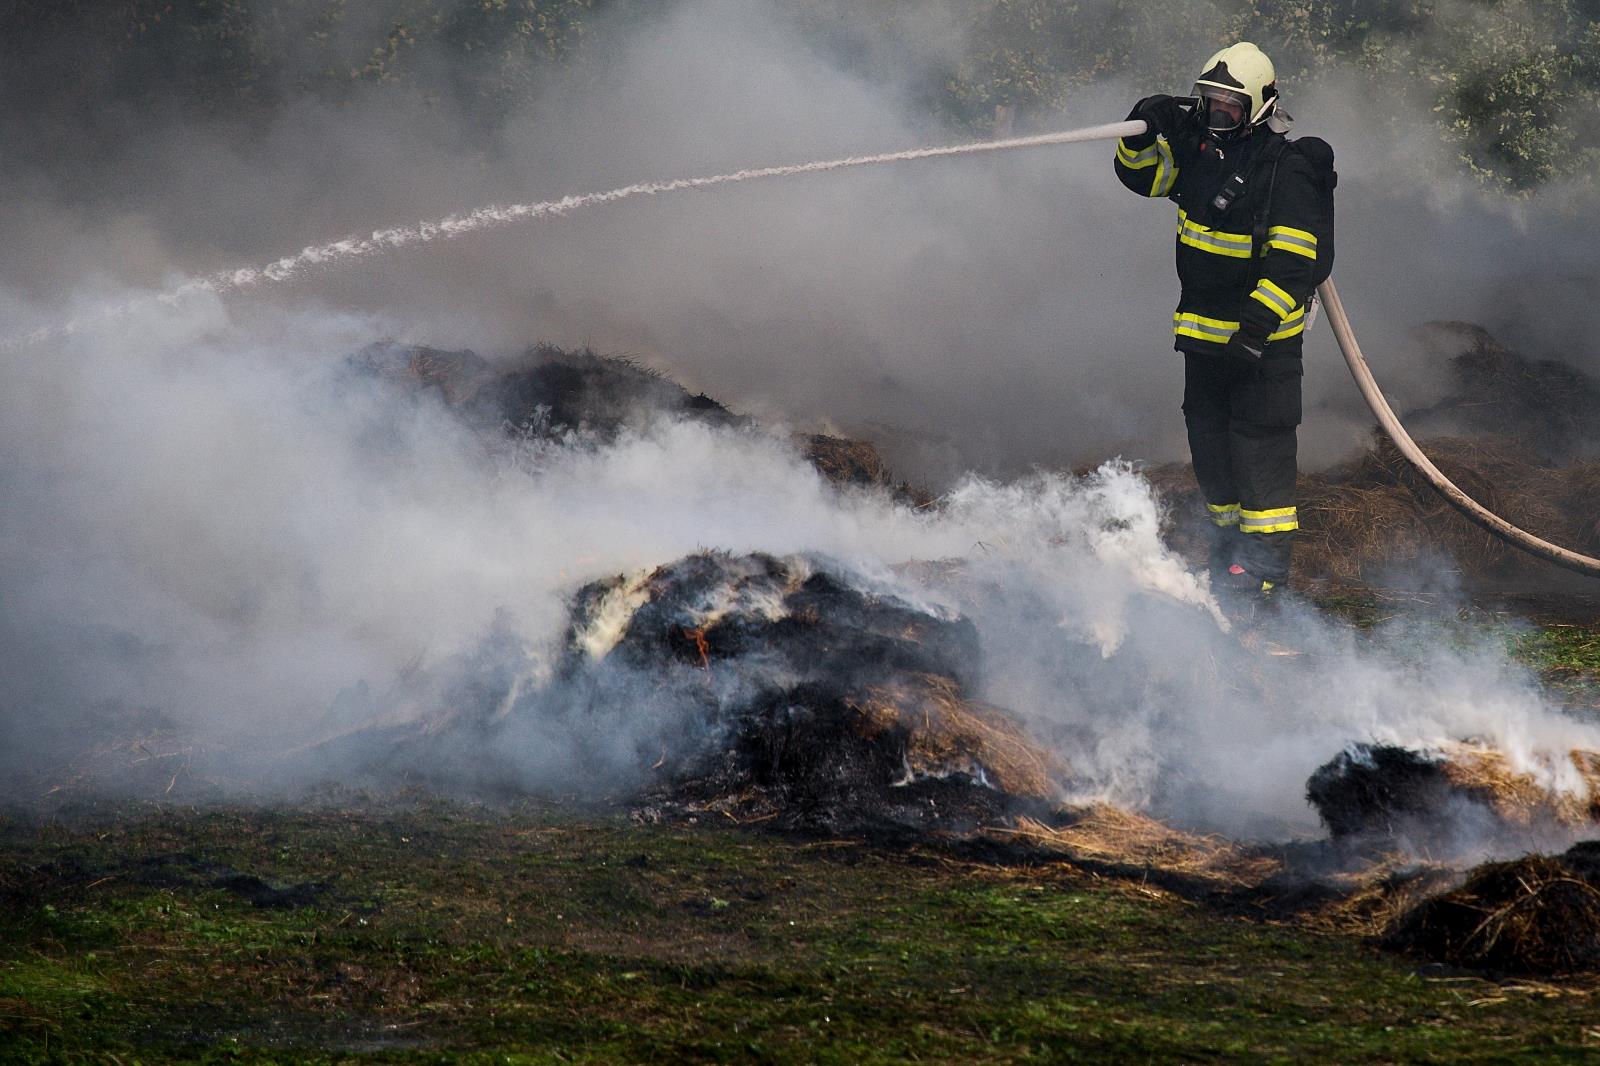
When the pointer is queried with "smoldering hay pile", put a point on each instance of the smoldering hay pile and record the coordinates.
(1453, 798)
(1537, 915)
(788, 690)
(832, 706)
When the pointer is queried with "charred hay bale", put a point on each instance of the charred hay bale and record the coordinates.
(1373, 788)
(1388, 792)
(545, 393)
(844, 461)
(1538, 915)
(1553, 406)
(548, 393)
(815, 744)
(829, 697)
(794, 615)
(551, 392)
(456, 377)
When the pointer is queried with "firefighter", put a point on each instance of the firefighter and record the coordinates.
(1242, 313)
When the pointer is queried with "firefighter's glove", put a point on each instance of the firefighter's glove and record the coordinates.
(1246, 345)
(1161, 112)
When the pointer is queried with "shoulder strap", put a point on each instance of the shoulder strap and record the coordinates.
(1274, 155)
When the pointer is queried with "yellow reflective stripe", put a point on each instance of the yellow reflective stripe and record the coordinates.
(1289, 239)
(1275, 520)
(1166, 169)
(1294, 324)
(1145, 157)
(1273, 295)
(1289, 231)
(1212, 246)
(1224, 514)
(1187, 223)
(1188, 324)
(1218, 242)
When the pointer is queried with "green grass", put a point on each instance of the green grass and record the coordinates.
(1563, 653)
(1566, 655)
(456, 934)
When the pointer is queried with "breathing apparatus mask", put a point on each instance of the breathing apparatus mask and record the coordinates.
(1224, 113)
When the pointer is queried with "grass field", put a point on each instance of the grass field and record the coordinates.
(428, 932)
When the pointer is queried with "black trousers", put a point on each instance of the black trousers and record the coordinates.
(1241, 420)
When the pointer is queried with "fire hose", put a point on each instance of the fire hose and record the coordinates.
(1452, 493)
(1390, 423)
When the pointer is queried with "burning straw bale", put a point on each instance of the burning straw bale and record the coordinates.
(947, 733)
(832, 704)
(1448, 797)
(1538, 915)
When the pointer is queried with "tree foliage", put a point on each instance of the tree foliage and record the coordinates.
(1511, 87)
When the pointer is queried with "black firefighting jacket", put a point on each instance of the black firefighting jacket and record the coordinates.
(1228, 282)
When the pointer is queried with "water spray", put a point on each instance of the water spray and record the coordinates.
(494, 216)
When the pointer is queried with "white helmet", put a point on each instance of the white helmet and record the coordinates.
(1238, 89)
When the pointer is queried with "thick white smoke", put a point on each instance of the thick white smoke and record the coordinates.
(229, 526)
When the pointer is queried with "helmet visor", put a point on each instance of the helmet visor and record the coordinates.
(1225, 110)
